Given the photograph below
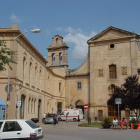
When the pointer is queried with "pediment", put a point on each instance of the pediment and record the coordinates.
(111, 33)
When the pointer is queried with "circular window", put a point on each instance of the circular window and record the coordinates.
(112, 46)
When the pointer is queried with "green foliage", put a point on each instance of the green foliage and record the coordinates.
(133, 121)
(5, 54)
(92, 124)
(129, 92)
(107, 121)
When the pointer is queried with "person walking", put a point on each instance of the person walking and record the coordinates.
(67, 116)
(54, 119)
(44, 116)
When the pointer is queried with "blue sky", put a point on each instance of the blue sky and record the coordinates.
(75, 20)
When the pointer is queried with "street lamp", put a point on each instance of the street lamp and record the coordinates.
(32, 31)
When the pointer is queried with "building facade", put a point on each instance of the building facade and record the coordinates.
(112, 56)
(32, 81)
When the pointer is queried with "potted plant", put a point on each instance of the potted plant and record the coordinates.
(134, 122)
(107, 122)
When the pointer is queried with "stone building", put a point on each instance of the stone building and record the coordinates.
(32, 81)
(113, 55)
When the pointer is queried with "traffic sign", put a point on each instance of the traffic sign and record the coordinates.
(18, 102)
(86, 106)
(118, 101)
(8, 102)
(10, 88)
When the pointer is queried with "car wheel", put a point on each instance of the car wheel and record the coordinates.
(74, 119)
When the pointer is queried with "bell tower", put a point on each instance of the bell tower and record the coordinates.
(58, 54)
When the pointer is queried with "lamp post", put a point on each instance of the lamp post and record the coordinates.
(8, 93)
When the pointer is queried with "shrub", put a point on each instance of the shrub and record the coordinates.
(133, 121)
(107, 121)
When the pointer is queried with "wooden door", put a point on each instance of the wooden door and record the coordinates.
(100, 115)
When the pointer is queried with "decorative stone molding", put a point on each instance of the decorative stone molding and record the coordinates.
(101, 73)
(124, 70)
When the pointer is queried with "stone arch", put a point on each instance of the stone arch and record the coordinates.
(40, 108)
(79, 103)
(23, 107)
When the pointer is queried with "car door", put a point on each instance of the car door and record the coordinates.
(11, 129)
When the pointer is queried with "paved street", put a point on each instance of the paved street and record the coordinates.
(70, 131)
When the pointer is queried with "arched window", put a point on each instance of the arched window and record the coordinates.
(34, 106)
(60, 58)
(59, 87)
(35, 75)
(22, 106)
(24, 66)
(40, 78)
(29, 105)
(53, 59)
(112, 71)
(57, 41)
(30, 65)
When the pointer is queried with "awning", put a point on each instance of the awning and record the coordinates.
(2, 103)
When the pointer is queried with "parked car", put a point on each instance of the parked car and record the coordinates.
(133, 116)
(35, 120)
(20, 129)
(49, 119)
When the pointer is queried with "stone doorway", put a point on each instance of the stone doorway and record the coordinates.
(79, 104)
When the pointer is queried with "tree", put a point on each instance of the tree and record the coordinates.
(4, 56)
(129, 92)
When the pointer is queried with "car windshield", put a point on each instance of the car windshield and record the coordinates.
(132, 115)
(32, 124)
(1, 124)
(50, 115)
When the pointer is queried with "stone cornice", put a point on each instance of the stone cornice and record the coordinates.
(27, 42)
(57, 48)
(77, 75)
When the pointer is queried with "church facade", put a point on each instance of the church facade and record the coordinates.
(112, 56)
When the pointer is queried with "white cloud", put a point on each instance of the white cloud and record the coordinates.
(68, 29)
(79, 41)
(14, 18)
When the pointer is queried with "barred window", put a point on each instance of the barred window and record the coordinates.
(79, 85)
(112, 72)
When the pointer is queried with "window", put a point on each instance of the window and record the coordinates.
(35, 75)
(30, 72)
(112, 72)
(59, 87)
(29, 105)
(32, 124)
(11, 126)
(23, 67)
(60, 58)
(1, 124)
(78, 85)
(112, 46)
(57, 41)
(34, 106)
(53, 59)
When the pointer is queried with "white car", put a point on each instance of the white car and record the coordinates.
(133, 116)
(20, 129)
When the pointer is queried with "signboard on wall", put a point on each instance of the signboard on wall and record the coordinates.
(18, 102)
